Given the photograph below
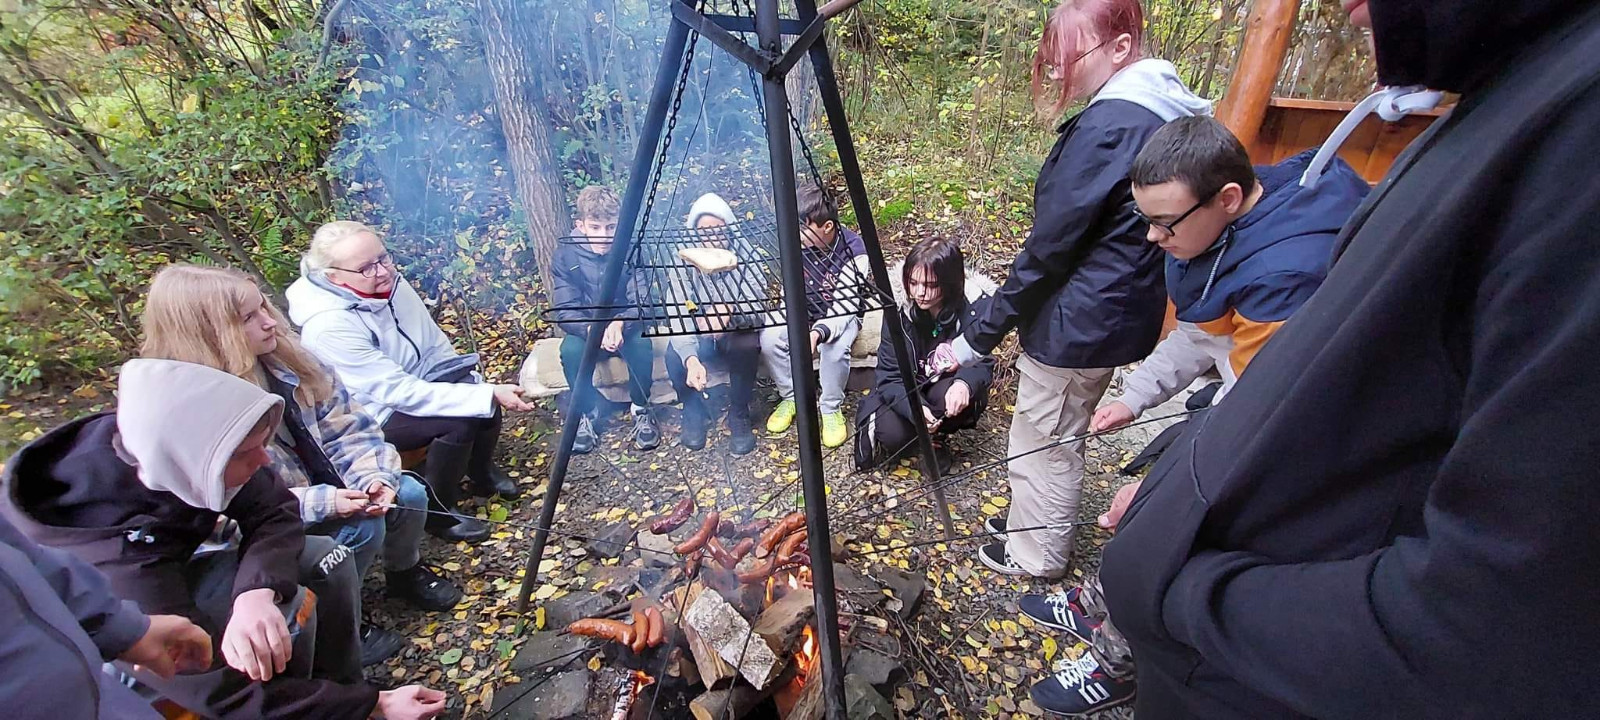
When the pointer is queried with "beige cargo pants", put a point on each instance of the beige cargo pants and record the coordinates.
(1052, 403)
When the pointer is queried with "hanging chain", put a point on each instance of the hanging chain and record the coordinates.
(805, 147)
(794, 120)
(672, 123)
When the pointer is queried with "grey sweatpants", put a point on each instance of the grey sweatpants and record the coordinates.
(833, 367)
(1052, 403)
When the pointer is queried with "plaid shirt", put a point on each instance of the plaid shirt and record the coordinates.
(351, 439)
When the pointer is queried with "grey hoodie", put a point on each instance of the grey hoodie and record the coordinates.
(179, 423)
(1154, 85)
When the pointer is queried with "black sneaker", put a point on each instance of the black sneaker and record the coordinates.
(1061, 611)
(693, 436)
(996, 525)
(378, 645)
(583, 443)
(646, 436)
(1080, 687)
(424, 588)
(994, 556)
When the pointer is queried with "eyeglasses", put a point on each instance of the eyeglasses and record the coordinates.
(1171, 228)
(1051, 68)
(370, 270)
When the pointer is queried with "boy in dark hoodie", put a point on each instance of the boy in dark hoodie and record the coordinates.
(575, 277)
(137, 492)
(837, 283)
(1246, 247)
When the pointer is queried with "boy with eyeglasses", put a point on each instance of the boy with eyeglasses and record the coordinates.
(1246, 247)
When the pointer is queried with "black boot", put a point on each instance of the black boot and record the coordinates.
(487, 479)
(443, 471)
(423, 588)
(694, 423)
(741, 438)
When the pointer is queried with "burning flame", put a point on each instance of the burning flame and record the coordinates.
(624, 704)
(640, 681)
(807, 656)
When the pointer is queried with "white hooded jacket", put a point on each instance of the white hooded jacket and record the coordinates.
(387, 352)
(180, 423)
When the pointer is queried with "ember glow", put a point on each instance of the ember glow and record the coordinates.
(635, 685)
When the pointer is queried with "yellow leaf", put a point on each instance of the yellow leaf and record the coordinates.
(191, 103)
(594, 664)
(1050, 649)
(988, 509)
(1011, 628)
(545, 591)
(1000, 501)
(538, 618)
(901, 472)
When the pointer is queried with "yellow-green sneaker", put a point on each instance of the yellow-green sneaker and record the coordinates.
(834, 430)
(781, 418)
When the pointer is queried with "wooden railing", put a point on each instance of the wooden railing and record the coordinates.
(1292, 125)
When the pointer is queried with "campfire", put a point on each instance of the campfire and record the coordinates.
(729, 630)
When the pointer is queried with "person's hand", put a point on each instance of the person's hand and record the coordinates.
(379, 498)
(930, 419)
(348, 502)
(1110, 416)
(612, 339)
(256, 641)
(412, 702)
(1119, 505)
(696, 374)
(957, 398)
(942, 360)
(816, 338)
(510, 398)
(171, 645)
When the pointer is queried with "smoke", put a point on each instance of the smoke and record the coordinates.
(422, 152)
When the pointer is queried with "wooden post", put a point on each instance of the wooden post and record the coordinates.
(1266, 42)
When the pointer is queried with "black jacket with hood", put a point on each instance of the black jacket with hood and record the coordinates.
(1086, 289)
(136, 493)
(1391, 516)
(925, 332)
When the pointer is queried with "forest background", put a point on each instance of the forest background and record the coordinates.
(134, 133)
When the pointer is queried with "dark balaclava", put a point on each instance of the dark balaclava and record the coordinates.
(1456, 45)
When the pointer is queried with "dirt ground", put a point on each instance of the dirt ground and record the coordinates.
(968, 651)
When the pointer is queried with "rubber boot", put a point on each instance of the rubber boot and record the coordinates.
(443, 471)
(487, 479)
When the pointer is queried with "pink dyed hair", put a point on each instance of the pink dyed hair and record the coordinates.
(1075, 27)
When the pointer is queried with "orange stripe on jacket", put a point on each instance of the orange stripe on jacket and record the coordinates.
(1248, 336)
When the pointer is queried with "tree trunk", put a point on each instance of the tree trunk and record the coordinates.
(526, 127)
